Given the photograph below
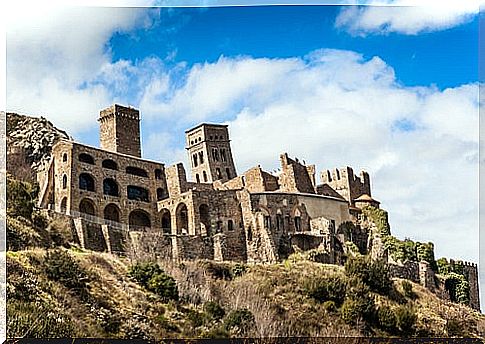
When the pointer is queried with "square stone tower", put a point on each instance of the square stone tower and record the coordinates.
(210, 155)
(120, 130)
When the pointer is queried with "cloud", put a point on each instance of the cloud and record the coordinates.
(51, 60)
(335, 108)
(405, 16)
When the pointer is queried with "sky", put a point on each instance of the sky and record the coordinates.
(389, 89)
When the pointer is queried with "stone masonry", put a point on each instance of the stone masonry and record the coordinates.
(119, 201)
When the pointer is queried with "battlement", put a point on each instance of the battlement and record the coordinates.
(346, 183)
(463, 263)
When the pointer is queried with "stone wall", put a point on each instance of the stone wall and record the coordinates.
(294, 176)
(346, 183)
(470, 270)
(120, 130)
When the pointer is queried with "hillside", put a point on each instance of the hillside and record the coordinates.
(57, 289)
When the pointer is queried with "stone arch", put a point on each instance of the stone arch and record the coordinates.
(139, 219)
(205, 223)
(297, 219)
(110, 164)
(182, 219)
(87, 206)
(166, 220)
(64, 157)
(86, 158)
(86, 182)
(112, 212)
(110, 187)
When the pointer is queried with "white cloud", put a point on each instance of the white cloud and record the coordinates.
(406, 16)
(52, 52)
(335, 108)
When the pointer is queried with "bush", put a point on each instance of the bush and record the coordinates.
(375, 274)
(238, 270)
(386, 319)
(214, 310)
(358, 304)
(61, 267)
(380, 218)
(330, 306)
(164, 286)
(327, 289)
(143, 272)
(153, 278)
(21, 197)
(405, 319)
(454, 328)
(408, 289)
(239, 321)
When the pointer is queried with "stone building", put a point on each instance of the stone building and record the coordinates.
(118, 200)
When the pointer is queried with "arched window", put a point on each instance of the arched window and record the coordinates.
(338, 173)
(138, 193)
(86, 206)
(64, 205)
(297, 220)
(204, 174)
(137, 171)
(182, 219)
(250, 234)
(223, 154)
(329, 176)
(215, 154)
(64, 157)
(86, 158)
(110, 187)
(194, 158)
(166, 222)
(139, 219)
(160, 194)
(197, 178)
(218, 173)
(228, 173)
(205, 223)
(158, 174)
(86, 182)
(279, 220)
(201, 157)
(112, 213)
(64, 181)
(230, 225)
(110, 164)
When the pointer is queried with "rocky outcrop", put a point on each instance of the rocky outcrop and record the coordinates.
(32, 138)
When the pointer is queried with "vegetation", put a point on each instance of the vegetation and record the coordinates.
(374, 273)
(153, 278)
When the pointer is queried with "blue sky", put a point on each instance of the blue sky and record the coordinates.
(392, 90)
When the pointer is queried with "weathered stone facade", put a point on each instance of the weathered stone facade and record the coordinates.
(119, 202)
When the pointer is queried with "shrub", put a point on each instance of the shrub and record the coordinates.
(454, 328)
(358, 304)
(405, 319)
(375, 274)
(217, 270)
(61, 267)
(153, 278)
(408, 289)
(214, 310)
(143, 272)
(239, 321)
(39, 220)
(425, 251)
(329, 306)
(238, 270)
(379, 217)
(195, 317)
(386, 319)
(327, 289)
(21, 197)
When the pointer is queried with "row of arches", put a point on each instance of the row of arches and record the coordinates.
(111, 188)
(112, 165)
(137, 218)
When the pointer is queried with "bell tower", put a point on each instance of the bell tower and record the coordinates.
(210, 155)
(120, 130)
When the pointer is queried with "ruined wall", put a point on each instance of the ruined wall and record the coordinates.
(470, 270)
(294, 176)
(346, 183)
